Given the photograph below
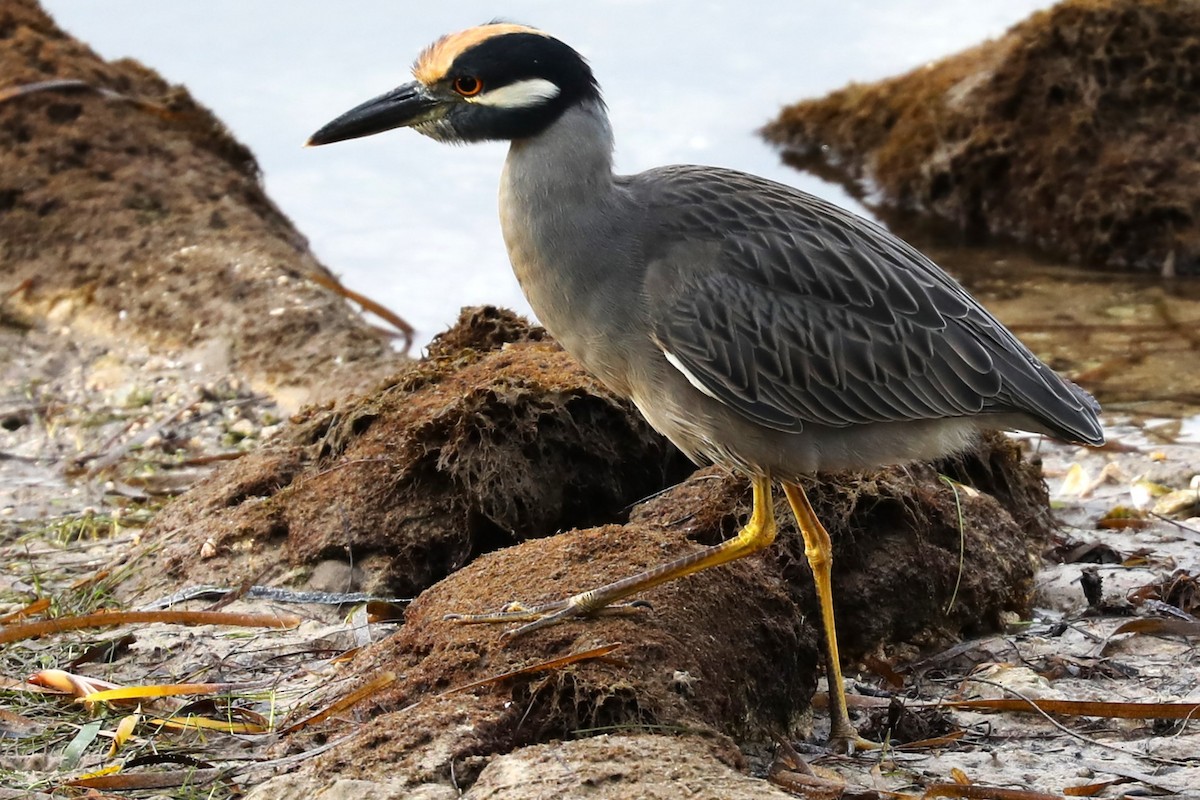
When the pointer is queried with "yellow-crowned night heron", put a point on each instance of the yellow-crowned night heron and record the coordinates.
(754, 325)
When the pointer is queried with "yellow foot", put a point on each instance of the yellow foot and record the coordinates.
(850, 743)
(547, 614)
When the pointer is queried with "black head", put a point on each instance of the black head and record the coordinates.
(496, 81)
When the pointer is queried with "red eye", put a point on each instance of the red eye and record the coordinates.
(468, 86)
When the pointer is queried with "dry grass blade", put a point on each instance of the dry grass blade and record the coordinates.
(388, 677)
(59, 85)
(977, 792)
(29, 630)
(72, 85)
(543, 666)
(362, 692)
(193, 723)
(1162, 783)
(937, 741)
(233, 720)
(335, 286)
(90, 580)
(8, 684)
(128, 693)
(1084, 708)
(1069, 708)
(151, 780)
(212, 458)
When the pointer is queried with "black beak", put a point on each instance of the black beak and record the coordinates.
(405, 105)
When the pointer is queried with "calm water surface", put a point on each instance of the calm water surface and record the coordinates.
(413, 223)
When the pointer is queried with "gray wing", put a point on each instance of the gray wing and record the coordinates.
(793, 311)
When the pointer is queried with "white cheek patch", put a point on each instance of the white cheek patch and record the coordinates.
(522, 94)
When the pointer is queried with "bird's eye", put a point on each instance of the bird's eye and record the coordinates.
(468, 86)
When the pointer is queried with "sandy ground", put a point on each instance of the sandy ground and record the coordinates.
(63, 522)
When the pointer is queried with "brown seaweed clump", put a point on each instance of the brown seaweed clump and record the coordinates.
(1077, 132)
(727, 652)
(129, 214)
(496, 437)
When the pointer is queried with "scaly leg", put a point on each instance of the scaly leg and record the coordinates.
(758, 533)
(819, 550)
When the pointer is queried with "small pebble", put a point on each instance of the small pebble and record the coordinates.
(243, 428)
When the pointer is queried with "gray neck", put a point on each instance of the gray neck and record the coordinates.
(572, 156)
(570, 234)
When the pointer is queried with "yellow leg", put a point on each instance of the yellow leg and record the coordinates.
(758, 533)
(819, 550)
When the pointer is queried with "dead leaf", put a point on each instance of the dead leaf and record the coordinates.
(36, 607)
(15, 726)
(1091, 789)
(106, 651)
(69, 683)
(1120, 517)
(1075, 482)
(1160, 626)
(124, 732)
(1076, 552)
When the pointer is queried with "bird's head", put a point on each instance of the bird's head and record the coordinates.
(495, 81)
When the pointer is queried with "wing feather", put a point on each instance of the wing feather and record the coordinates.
(805, 313)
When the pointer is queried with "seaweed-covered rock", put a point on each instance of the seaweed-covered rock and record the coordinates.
(960, 557)
(725, 651)
(498, 436)
(128, 213)
(1077, 132)
(730, 651)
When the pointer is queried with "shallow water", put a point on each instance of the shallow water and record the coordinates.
(1132, 340)
(412, 223)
